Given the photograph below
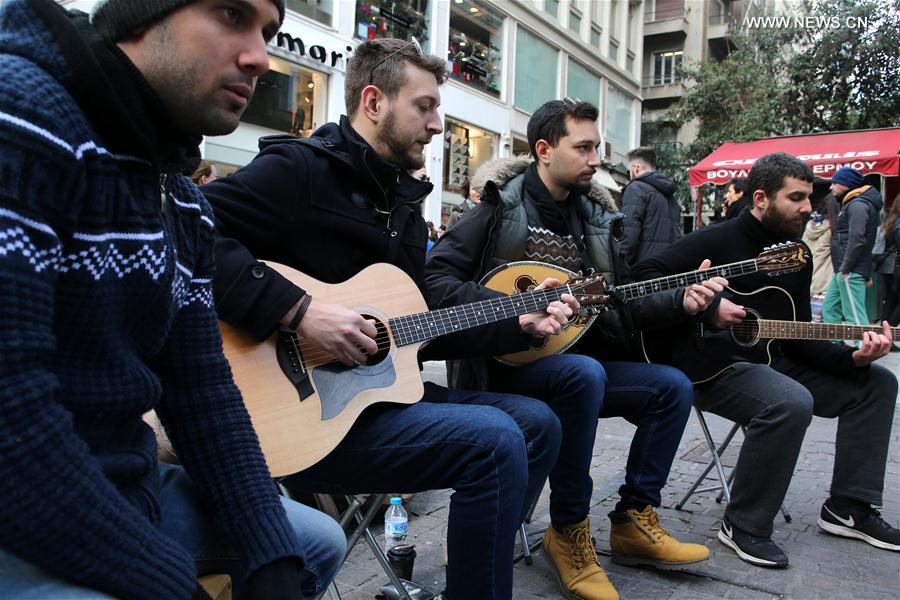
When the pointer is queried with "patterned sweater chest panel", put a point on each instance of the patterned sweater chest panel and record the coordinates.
(543, 245)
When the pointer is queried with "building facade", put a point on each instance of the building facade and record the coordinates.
(505, 58)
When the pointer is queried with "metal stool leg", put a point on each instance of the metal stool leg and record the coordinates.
(526, 550)
(715, 463)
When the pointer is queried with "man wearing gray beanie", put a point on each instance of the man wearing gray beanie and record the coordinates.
(106, 270)
(115, 19)
(851, 247)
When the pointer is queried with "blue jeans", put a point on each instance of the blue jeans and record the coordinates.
(655, 398)
(187, 521)
(494, 450)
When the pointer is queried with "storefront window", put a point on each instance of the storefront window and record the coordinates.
(392, 19)
(474, 52)
(535, 71)
(318, 10)
(288, 98)
(583, 84)
(465, 149)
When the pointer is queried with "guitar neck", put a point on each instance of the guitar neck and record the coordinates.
(800, 330)
(420, 327)
(640, 289)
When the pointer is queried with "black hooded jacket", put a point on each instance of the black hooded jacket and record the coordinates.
(652, 216)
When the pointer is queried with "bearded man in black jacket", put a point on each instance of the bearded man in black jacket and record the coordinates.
(331, 205)
(776, 403)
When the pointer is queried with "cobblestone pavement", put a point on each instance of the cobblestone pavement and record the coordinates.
(822, 566)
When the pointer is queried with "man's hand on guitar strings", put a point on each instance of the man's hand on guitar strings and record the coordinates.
(728, 314)
(874, 346)
(554, 318)
(341, 332)
(699, 295)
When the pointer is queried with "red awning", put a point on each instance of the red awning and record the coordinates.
(868, 151)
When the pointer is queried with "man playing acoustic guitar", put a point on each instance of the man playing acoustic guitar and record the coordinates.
(806, 378)
(549, 211)
(330, 206)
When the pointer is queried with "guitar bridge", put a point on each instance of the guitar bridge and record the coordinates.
(290, 359)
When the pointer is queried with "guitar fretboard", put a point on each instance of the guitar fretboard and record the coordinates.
(640, 289)
(801, 330)
(420, 327)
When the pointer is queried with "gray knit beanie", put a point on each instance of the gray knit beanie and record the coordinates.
(115, 19)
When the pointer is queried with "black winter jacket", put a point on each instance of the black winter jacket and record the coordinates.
(328, 206)
(652, 216)
(854, 232)
(466, 253)
(739, 239)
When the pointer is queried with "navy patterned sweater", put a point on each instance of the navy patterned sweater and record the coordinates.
(106, 312)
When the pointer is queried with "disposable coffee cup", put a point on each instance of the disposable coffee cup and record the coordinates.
(401, 559)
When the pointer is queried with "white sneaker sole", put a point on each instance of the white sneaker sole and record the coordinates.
(747, 557)
(847, 532)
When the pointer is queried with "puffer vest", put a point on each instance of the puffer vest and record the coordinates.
(599, 226)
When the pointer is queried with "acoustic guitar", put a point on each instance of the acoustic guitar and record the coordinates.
(521, 276)
(302, 401)
(704, 354)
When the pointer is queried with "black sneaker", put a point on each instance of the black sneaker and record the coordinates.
(863, 524)
(758, 551)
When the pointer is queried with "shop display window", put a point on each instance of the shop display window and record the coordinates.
(465, 149)
(288, 98)
(318, 10)
(392, 19)
(474, 53)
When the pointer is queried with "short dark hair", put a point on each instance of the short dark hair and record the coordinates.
(388, 76)
(740, 184)
(548, 122)
(645, 154)
(769, 172)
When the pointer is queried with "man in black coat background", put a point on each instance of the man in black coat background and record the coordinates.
(652, 215)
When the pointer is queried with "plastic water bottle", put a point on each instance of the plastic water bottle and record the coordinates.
(395, 524)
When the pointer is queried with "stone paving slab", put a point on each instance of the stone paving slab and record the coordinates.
(822, 566)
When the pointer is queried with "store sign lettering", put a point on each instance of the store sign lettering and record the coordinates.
(750, 161)
(819, 170)
(286, 41)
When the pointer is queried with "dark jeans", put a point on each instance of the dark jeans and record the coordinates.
(495, 451)
(776, 404)
(578, 388)
(187, 520)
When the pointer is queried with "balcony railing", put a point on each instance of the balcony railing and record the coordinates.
(653, 81)
(723, 19)
(661, 15)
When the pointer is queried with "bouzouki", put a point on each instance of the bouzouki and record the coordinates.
(703, 353)
(302, 401)
(522, 276)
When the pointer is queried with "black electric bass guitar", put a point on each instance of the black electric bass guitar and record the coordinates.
(703, 353)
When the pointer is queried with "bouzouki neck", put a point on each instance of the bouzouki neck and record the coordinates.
(801, 330)
(640, 289)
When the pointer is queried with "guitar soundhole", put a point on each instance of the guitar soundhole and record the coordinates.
(382, 338)
(524, 283)
(747, 332)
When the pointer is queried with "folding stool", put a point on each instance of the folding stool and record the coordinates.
(724, 485)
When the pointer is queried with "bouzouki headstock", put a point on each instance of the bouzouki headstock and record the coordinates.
(590, 290)
(786, 257)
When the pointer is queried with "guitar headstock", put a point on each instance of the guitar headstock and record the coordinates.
(590, 290)
(785, 257)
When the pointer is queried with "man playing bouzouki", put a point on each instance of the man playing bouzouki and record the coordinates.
(776, 403)
(549, 211)
(338, 202)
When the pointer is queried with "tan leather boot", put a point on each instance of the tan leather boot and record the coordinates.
(573, 560)
(636, 538)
